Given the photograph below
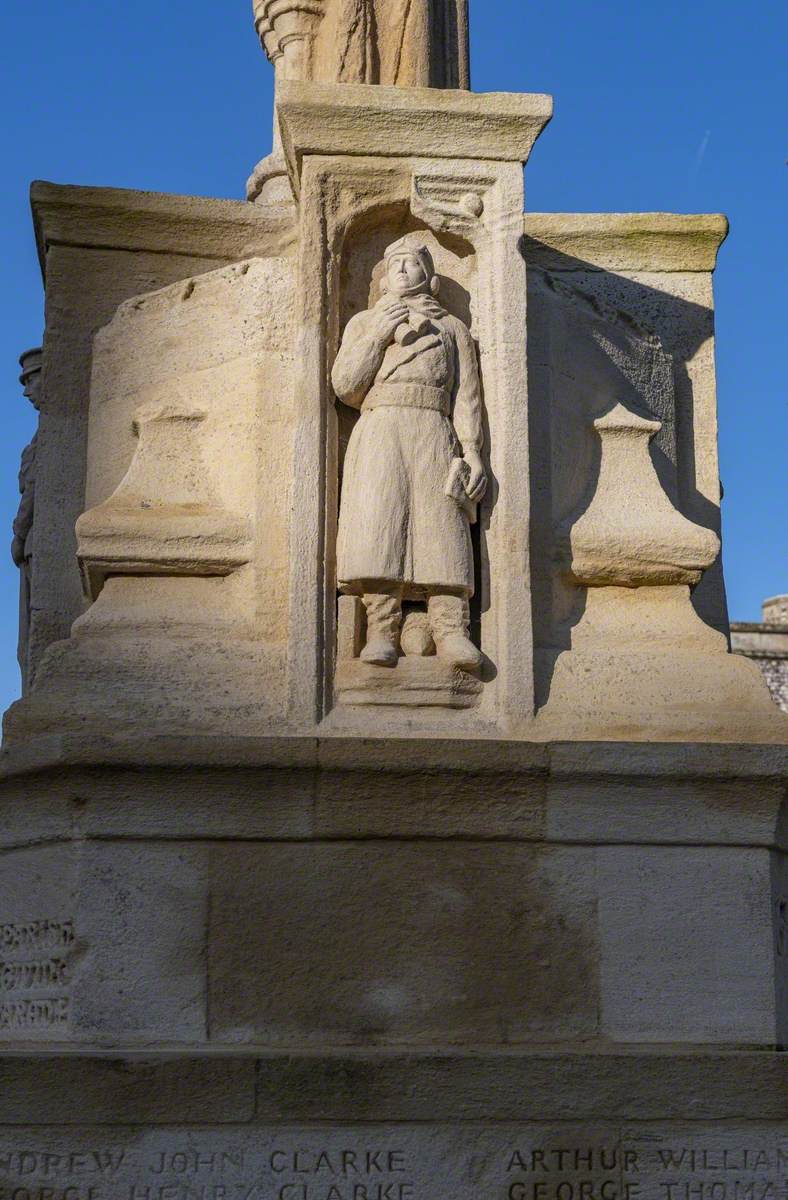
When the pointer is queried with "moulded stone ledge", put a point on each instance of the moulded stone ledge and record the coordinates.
(126, 219)
(486, 756)
(655, 241)
(360, 119)
(251, 1086)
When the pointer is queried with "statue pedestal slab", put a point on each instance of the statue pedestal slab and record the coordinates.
(415, 682)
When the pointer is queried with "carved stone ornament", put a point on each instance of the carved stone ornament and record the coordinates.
(631, 535)
(393, 42)
(163, 518)
(413, 472)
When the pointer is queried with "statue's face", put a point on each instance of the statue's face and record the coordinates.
(405, 275)
(32, 388)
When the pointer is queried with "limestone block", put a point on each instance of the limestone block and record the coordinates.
(622, 305)
(687, 945)
(401, 944)
(643, 666)
(189, 455)
(163, 516)
(591, 1159)
(40, 948)
(140, 913)
(630, 535)
(98, 247)
(321, 118)
(124, 1088)
(91, 949)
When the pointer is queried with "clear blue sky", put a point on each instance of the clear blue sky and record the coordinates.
(659, 106)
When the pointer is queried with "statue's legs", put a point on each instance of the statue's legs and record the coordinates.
(384, 621)
(450, 620)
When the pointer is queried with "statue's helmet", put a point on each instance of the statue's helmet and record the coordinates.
(30, 362)
(413, 244)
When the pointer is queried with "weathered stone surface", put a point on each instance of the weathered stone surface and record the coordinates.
(187, 519)
(351, 944)
(320, 118)
(140, 914)
(391, 42)
(375, 890)
(596, 1161)
(624, 242)
(382, 1086)
(39, 946)
(687, 945)
(123, 1089)
(98, 247)
(347, 929)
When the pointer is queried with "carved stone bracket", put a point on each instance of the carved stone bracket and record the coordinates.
(451, 203)
(164, 517)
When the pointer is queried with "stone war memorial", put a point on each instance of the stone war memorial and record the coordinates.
(385, 816)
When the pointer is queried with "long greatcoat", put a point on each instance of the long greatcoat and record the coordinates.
(396, 523)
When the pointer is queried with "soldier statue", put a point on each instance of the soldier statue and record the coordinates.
(22, 544)
(413, 472)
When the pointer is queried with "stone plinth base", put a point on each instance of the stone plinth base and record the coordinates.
(414, 682)
(365, 1125)
(392, 892)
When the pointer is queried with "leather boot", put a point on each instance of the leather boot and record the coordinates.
(450, 621)
(384, 619)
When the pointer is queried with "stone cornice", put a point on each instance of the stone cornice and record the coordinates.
(408, 756)
(670, 242)
(122, 219)
(359, 119)
(241, 1084)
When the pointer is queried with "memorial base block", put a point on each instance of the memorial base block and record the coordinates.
(529, 972)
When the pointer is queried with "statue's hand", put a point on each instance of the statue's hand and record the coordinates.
(477, 482)
(390, 312)
(18, 551)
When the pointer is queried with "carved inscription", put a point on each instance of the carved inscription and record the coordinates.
(572, 1173)
(35, 975)
(644, 1171)
(395, 1163)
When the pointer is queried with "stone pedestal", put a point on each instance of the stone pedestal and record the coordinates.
(280, 922)
(330, 968)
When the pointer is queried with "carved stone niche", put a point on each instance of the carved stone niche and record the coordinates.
(367, 162)
(421, 677)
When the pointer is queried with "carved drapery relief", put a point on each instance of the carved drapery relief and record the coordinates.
(413, 470)
(400, 43)
(404, 43)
